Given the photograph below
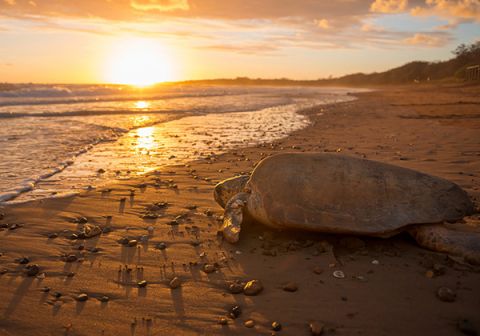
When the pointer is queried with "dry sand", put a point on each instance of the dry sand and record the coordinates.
(389, 286)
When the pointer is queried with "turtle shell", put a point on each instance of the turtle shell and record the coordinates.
(334, 193)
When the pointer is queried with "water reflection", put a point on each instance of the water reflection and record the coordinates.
(145, 139)
(142, 104)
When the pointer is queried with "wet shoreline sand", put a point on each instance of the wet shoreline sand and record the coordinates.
(389, 286)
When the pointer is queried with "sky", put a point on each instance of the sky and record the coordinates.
(145, 41)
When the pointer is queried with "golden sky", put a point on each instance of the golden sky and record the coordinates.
(146, 41)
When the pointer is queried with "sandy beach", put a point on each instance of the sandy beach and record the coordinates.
(164, 226)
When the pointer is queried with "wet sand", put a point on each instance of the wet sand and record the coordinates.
(389, 286)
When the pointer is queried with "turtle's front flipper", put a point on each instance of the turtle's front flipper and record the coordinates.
(456, 240)
(233, 217)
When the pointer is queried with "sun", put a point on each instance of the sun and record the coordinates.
(139, 62)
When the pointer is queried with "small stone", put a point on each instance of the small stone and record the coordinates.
(317, 270)
(375, 262)
(132, 243)
(71, 258)
(142, 284)
(104, 299)
(446, 294)
(82, 297)
(467, 328)
(429, 274)
(57, 295)
(222, 321)
(123, 241)
(90, 230)
(175, 283)
(339, 274)
(235, 312)
(290, 287)
(209, 268)
(249, 323)
(52, 235)
(73, 236)
(316, 328)
(23, 260)
(253, 287)
(235, 288)
(45, 289)
(32, 270)
(161, 246)
(276, 326)
(80, 220)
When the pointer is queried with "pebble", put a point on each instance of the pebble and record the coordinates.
(290, 287)
(318, 270)
(73, 236)
(80, 220)
(235, 288)
(253, 287)
(53, 235)
(71, 258)
(339, 274)
(32, 270)
(249, 323)
(123, 241)
(222, 321)
(235, 312)
(209, 268)
(276, 326)
(142, 284)
(316, 328)
(82, 297)
(175, 283)
(132, 243)
(161, 246)
(446, 294)
(375, 262)
(467, 328)
(104, 299)
(57, 295)
(23, 260)
(45, 289)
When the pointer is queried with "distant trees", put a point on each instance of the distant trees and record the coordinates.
(468, 51)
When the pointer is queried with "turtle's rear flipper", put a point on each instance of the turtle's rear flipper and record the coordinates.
(456, 239)
(233, 217)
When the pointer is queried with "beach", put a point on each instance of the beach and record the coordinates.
(163, 226)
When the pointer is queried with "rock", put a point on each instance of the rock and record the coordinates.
(317, 270)
(290, 287)
(31, 270)
(161, 246)
(222, 321)
(73, 236)
(235, 288)
(70, 258)
(249, 323)
(57, 295)
(23, 260)
(104, 299)
(209, 268)
(123, 241)
(80, 220)
(235, 312)
(467, 328)
(339, 274)
(446, 294)
(142, 284)
(81, 297)
(175, 283)
(90, 230)
(52, 235)
(132, 243)
(316, 328)
(253, 287)
(276, 326)
(429, 274)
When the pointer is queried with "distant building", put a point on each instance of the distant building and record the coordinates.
(472, 73)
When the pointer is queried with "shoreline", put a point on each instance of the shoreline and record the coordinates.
(393, 295)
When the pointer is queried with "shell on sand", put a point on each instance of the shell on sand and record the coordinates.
(341, 194)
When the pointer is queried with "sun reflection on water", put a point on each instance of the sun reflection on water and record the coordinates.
(142, 104)
(145, 139)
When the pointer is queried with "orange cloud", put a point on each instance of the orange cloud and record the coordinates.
(388, 6)
(453, 9)
(425, 40)
(160, 5)
(323, 23)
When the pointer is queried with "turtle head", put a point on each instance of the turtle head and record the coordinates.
(226, 189)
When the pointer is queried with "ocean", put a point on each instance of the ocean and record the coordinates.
(56, 140)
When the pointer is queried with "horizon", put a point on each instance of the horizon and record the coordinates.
(146, 42)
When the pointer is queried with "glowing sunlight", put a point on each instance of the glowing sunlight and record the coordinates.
(139, 62)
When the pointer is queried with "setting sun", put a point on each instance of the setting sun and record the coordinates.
(139, 62)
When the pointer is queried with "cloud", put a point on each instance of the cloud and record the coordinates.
(323, 23)
(452, 9)
(426, 40)
(388, 6)
(160, 5)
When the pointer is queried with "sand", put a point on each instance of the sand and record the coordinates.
(389, 286)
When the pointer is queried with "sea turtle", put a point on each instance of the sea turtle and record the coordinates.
(339, 194)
